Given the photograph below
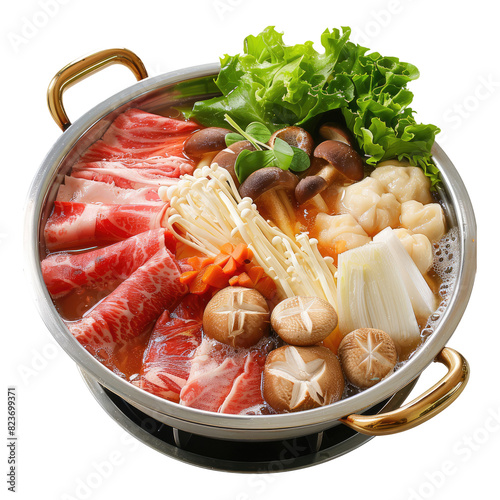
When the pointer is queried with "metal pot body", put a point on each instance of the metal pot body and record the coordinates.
(181, 88)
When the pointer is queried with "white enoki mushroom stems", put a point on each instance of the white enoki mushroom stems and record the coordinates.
(206, 212)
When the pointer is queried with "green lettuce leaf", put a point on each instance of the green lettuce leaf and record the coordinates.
(281, 85)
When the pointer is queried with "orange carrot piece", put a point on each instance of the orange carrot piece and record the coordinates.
(244, 280)
(197, 286)
(248, 266)
(214, 276)
(195, 262)
(249, 255)
(233, 281)
(227, 248)
(266, 287)
(240, 253)
(231, 267)
(188, 277)
(255, 273)
(221, 259)
(207, 261)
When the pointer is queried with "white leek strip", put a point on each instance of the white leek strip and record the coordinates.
(206, 211)
(421, 296)
(372, 294)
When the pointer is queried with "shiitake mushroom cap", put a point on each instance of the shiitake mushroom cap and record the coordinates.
(367, 355)
(302, 378)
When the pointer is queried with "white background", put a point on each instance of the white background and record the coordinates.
(63, 433)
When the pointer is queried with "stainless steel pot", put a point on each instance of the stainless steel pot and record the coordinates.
(182, 88)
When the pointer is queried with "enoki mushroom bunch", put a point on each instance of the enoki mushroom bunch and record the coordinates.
(206, 212)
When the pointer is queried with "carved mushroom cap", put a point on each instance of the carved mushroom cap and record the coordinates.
(206, 140)
(301, 378)
(304, 320)
(236, 316)
(367, 355)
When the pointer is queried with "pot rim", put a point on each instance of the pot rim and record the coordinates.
(453, 188)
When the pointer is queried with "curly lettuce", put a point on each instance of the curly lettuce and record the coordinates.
(281, 85)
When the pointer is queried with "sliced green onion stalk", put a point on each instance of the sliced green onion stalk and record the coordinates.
(372, 294)
(422, 299)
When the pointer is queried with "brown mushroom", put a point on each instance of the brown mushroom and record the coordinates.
(301, 378)
(342, 157)
(236, 316)
(334, 132)
(207, 140)
(304, 320)
(227, 157)
(268, 188)
(367, 356)
(294, 136)
(339, 157)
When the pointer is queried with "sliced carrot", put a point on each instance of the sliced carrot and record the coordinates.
(227, 248)
(248, 266)
(255, 273)
(195, 262)
(188, 277)
(221, 259)
(197, 286)
(240, 253)
(207, 261)
(249, 255)
(214, 276)
(244, 280)
(266, 287)
(231, 267)
(233, 281)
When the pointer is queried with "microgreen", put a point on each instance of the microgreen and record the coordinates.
(280, 155)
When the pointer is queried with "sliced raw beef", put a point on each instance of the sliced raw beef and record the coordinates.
(138, 134)
(88, 191)
(212, 375)
(170, 166)
(114, 172)
(167, 359)
(104, 268)
(81, 225)
(246, 394)
(132, 307)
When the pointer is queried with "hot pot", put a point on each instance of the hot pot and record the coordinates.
(181, 88)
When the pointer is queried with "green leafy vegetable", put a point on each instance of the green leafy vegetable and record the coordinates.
(233, 137)
(277, 85)
(281, 155)
(300, 160)
(258, 131)
(250, 161)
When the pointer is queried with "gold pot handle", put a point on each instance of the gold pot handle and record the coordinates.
(82, 68)
(424, 407)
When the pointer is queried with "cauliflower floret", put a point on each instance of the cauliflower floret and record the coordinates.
(371, 206)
